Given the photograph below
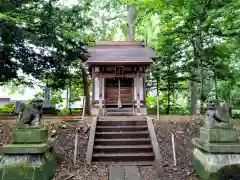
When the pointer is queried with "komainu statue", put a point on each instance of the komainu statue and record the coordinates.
(32, 115)
(217, 116)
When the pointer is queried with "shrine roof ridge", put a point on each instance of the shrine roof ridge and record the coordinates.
(121, 51)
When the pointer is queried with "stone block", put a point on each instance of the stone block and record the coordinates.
(216, 166)
(217, 147)
(218, 135)
(34, 167)
(116, 173)
(26, 148)
(29, 136)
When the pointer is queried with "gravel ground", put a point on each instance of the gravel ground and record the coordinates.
(183, 127)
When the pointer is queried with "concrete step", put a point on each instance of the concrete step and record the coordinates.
(119, 113)
(118, 135)
(123, 118)
(124, 149)
(121, 123)
(121, 128)
(123, 157)
(119, 110)
(127, 163)
(124, 141)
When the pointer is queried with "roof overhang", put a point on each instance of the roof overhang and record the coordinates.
(120, 52)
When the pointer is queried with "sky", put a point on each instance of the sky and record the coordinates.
(69, 2)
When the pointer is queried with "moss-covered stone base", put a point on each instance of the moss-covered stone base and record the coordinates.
(29, 135)
(216, 166)
(28, 167)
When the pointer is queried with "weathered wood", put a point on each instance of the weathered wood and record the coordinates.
(75, 149)
(154, 143)
(91, 141)
(93, 83)
(174, 150)
(138, 94)
(133, 75)
(125, 94)
(100, 94)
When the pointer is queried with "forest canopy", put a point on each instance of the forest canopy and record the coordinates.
(197, 41)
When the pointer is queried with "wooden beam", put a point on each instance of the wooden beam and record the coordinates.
(100, 94)
(119, 43)
(91, 141)
(138, 93)
(93, 83)
(124, 76)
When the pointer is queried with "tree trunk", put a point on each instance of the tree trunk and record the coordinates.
(131, 20)
(197, 53)
(194, 96)
(86, 89)
(215, 84)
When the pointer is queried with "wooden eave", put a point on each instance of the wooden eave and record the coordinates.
(120, 53)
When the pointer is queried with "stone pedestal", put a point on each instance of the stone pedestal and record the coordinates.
(216, 153)
(29, 157)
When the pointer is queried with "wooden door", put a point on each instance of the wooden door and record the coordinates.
(126, 90)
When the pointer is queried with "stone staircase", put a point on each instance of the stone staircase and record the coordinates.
(119, 112)
(123, 140)
(113, 110)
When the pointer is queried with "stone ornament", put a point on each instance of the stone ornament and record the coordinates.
(32, 115)
(217, 115)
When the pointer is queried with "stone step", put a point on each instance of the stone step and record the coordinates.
(119, 110)
(121, 128)
(127, 163)
(123, 157)
(121, 123)
(124, 149)
(123, 118)
(124, 141)
(116, 135)
(124, 173)
(119, 114)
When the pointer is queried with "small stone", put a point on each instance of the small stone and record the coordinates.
(63, 126)
(53, 131)
(94, 168)
(86, 128)
(175, 169)
(165, 165)
(1, 131)
(179, 132)
(171, 121)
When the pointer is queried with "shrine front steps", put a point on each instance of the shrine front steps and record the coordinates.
(119, 112)
(120, 141)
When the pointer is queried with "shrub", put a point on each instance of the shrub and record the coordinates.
(236, 114)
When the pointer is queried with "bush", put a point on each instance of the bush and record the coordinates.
(8, 108)
(175, 109)
(64, 112)
(68, 112)
(236, 114)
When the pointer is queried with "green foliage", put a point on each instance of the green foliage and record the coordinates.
(8, 108)
(176, 109)
(69, 112)
(43, 38)
(236, 114)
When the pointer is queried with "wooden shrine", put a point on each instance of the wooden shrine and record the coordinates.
(118, 75)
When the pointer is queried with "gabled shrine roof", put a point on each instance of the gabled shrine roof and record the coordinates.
(124, 52)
